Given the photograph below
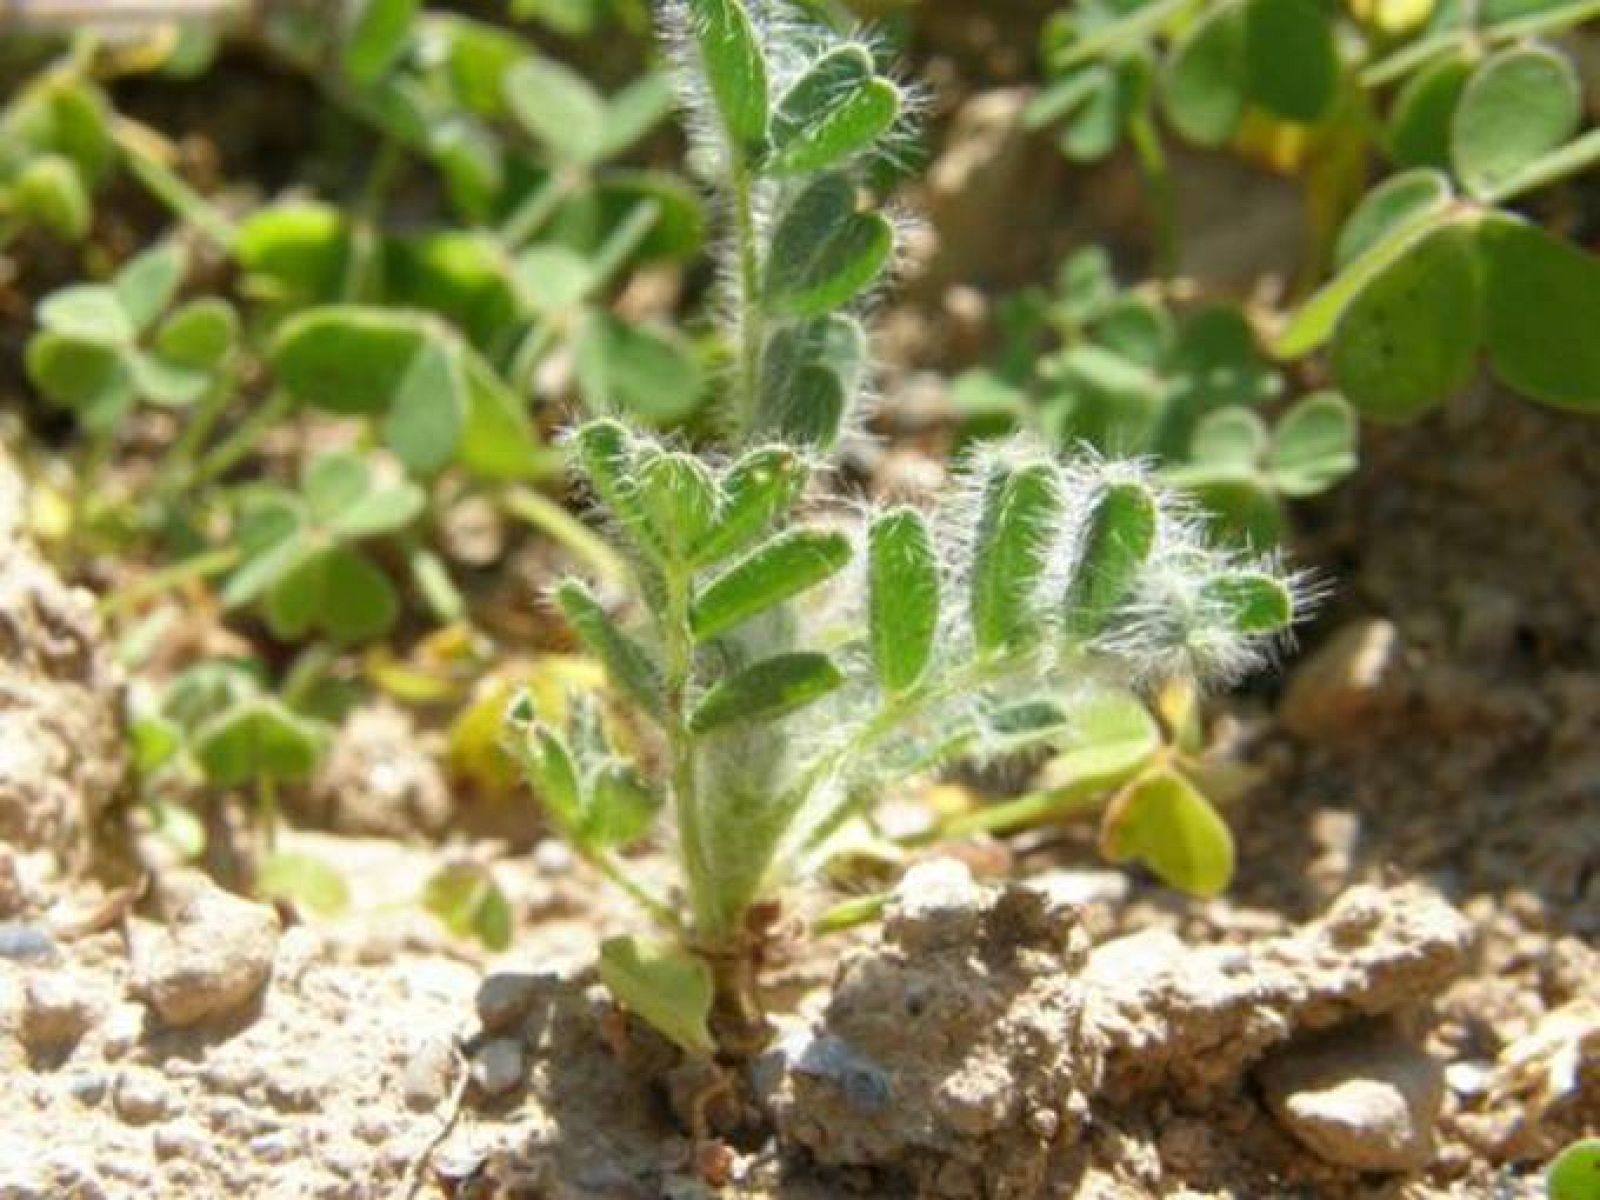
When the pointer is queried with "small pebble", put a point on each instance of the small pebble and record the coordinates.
(214, 957)
(425, 1081)
(140, 1098)
(88, 1089)
(25, 943)
(56, 1011)
(504, 999)
(497, 1067)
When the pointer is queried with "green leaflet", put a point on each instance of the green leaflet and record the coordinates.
(680, 499)
(629, 665)
(1022, 510)
(1164, 822)
(1250, 603)
(757, 490)
(1118, 537)
(780, 570)
(670, 989)
(825, 252)
(767, 690)
(735, 68)
(903, 582)
(836, 110)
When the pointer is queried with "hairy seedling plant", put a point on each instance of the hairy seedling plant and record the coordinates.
(790, 656)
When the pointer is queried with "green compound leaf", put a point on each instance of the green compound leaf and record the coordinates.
(377, 39)
(423, 424)
(469, 902)
(1575, 1173)
(767, 690)
(1203, 86)
(1291, 60)
(735, 67)
(1519, 104)
(547, 763)
(809, 376)
(1022, 510)
(605, 454)
(200, 335)
(1250, 603)
(778, 571)
(667, 988)
(1410, 338)
(1423, 112)
(1162, 821)
(293, 254)
(836, 110)
(825, 251)
(1118, 537)
(348, 360)
(903, 582)
(1543, 300)
(629, 665)
(257, 740)
(559, 109)
(1398, 201)
(1229, 441)
(337, 590)
(88, 312)
(1313, 446)
(303, 880)
(758, 489)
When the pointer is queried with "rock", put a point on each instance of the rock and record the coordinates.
(952, 1051)
(140, 1097)
(381, 778)
(56, 1011)
(62, 753)
(24, 943)
(1362, 1097)
(497, 1067)
(214, 957)
(505, 999)
(425, 1082)
(1197, 1019)
(1332, 690)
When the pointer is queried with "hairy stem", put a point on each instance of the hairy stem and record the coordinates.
(749, 297)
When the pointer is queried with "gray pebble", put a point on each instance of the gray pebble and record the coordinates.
(497, 1066)
(503, 1000)
(25, 943)
(140, 1097)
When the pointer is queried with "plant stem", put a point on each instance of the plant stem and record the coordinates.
(849, 914)
(1131, 29)
(1158, 173)
(1035, 808)
(228, 453)
(551, 519)
(362, 269)
(267, 803)
(709, 921)
(139, 148)
(199, 566)
(749, 298)
(1575, 157)
(616, 872)
(529, 217)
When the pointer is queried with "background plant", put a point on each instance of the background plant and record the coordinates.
(792, 661)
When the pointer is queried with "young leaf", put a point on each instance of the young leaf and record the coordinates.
(302, 879)
(1250, 603)
(1398, 201)
(1542, 298)
(1410, 337)
(759, 488)
(89, 312)
(1022, 510)
(90, 379)
(622, 807)
(1162, 821)
(1518, 105)
(1229, 441)
(146, 284)
(466, 898)
(1291, 60)
(557, 106)
(679, 496)
(773, 573)
(1420, 119)
(1313, 446)
(810, 373)
(669, 989)
(903, 578)
(628, 664)
(1118, 537)
(336, 590)
(257, 740)
(547, 762)
(200, 335)
(50, 192)
(1203, 88)
(346, 359)
(377, 39)
(767, 690)
(606, 455)
(735, 67)
(836, 110)
(825, 251)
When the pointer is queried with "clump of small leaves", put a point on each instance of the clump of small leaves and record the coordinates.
(1130, 373)
(1417, 130)
(789, 658)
